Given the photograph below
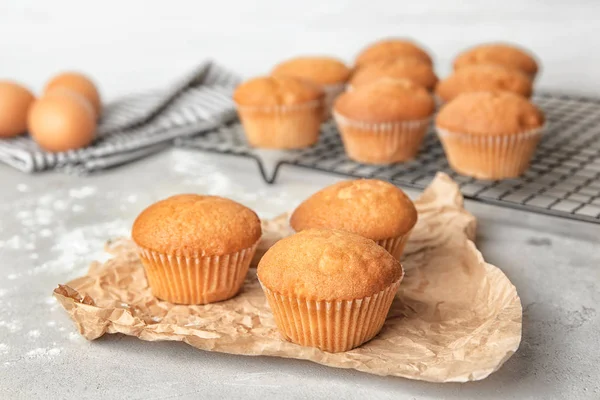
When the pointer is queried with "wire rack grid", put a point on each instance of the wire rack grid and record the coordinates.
(563, 179)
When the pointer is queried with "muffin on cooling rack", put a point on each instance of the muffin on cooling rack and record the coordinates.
(489, 135)
(329, 73)
(504, 54)
(411, 68)
(484, 77)
(329, 289)
(371, 208)
(196, 249)
(383, 122)
(391, 48)
(280, 112)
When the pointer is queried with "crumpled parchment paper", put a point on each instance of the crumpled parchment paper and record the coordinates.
(455, 318)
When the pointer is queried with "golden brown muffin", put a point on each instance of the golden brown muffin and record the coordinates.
(412, 69)
(329, 73)
(196, 249)
(490, 135)
(280, 112)
(325, 276)
(498, 53)
(391, 48)
(320, 70)
(371, 208)
(384, 122)
(484, 77)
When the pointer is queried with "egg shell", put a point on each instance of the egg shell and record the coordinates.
(15, 101)
(62, 120)
(79, 83)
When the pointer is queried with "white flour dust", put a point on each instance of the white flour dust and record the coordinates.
(82, 192)
(43, 352)
(35, 333)
(12, 326)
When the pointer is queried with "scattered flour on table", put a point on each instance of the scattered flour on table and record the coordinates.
(43, 352)
(21, 187)
(82, 192)
(12, 326)
(4, 348)
(35, 333)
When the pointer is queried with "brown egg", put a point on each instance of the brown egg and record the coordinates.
(14, 104)
(78, 83)
(62, 120)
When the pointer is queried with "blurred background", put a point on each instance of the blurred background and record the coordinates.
(133, 45)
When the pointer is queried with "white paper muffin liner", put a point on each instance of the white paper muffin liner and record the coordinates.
(490, 157)
(381, 143)
(331, 326)
(198, 279)
(395, 245)
(331, 93)
(282, 127)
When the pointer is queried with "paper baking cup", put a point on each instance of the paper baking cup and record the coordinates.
(282, 127)
(382, 143)
(331, 93)
(394, 246)
(490, 157)
(331, 326)
(195, 280)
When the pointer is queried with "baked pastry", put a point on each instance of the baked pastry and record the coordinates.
(329, 73)
(508, 55)
(280, 112)
(384, 122)
(371, 208)
(484, 77)
(391, 48)
(196, 249)
(489, 135)
(329, 289)
(410, 68)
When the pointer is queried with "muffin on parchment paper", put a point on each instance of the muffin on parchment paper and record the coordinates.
(371, 208)
(384, 122)
(329, 289)
(508, 55)
(410, 68)
(391, 48)
(196, 249)
(484, 77)
(280, 112)
(489, 135)
(329, 73)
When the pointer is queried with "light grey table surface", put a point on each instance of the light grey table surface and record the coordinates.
(53, 225)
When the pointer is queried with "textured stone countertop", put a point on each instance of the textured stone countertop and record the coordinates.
(53, 225)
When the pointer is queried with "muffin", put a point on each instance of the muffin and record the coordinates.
(329, 289)
(391, 48)
(484, 77)
(371, 208)
(329, 73)
(280, 112)
(489, 135)
(498, 53)
(196, 249)
(384, 122)
(410, 68)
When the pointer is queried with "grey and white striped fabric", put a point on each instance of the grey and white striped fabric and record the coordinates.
(139, 125)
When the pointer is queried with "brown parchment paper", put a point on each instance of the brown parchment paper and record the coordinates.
(455, 317)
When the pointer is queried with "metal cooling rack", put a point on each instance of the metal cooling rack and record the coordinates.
(563, 180)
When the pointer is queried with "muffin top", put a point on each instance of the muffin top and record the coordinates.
(489, 113)
(371, 208)
(276, 91)
(320, 70)
(322, 264)
(484, 77)
(391, 48)
(386, 100)
(411, 68)
(196, 226)
(498, 53)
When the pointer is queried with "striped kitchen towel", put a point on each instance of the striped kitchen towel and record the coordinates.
(139, 125)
